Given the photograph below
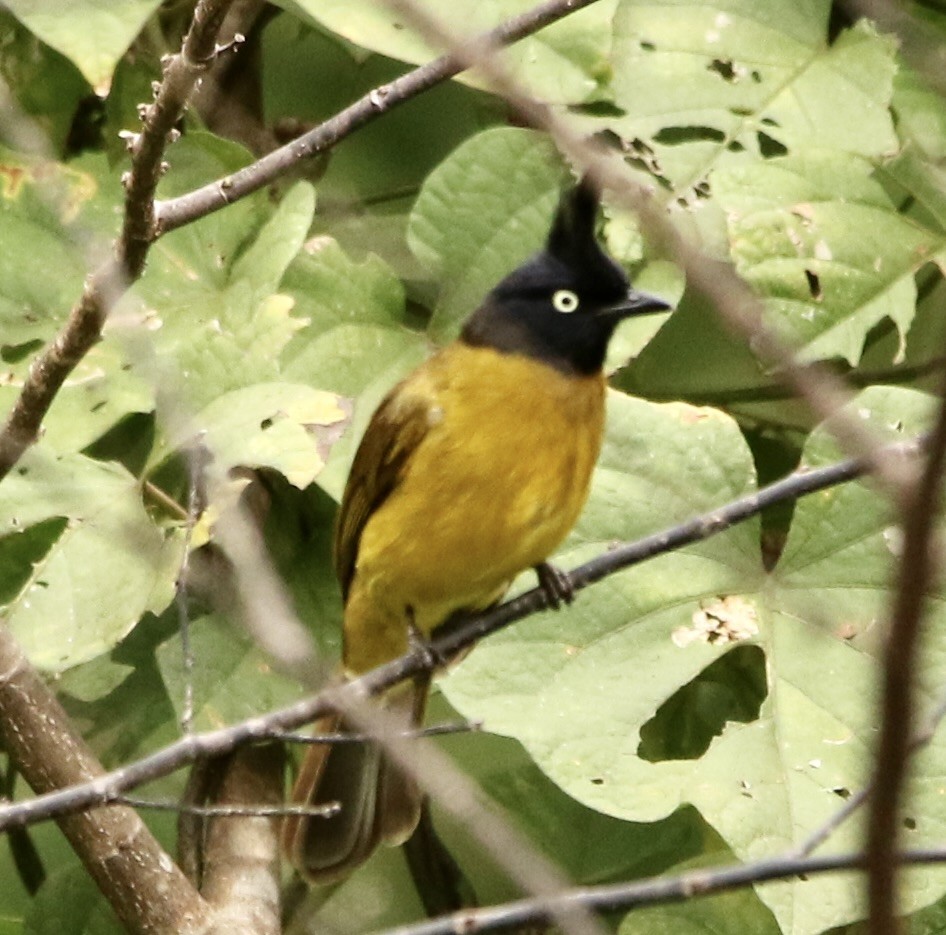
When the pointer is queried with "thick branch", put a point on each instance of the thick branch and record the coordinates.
(241, 853)
(144, 886)
(446, 644)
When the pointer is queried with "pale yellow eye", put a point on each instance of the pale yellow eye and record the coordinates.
(565, 301)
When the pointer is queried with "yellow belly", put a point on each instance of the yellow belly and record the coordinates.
(492, 489)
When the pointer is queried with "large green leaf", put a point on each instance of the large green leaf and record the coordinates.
(703, 84)
(355, 315)
(288, 427)
(107, 567)
(822, 242)
(92, 35)
(57, 216)
(602, 695)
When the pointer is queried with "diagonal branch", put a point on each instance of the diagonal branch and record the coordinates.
(179, 211)
(447, 644)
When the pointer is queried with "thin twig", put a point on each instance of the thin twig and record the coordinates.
(446, 644)
(250, 810)
(528, 913)
(434, 730)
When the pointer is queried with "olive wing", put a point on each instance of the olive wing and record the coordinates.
(398, 426)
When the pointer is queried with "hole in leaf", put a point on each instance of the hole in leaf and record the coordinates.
(909, 824)
(266, 423)
(769, 146)
(731, 689)
(647, 46)
(735, 147)
(723, 67)
(756, 76)
(674, 136)
(598, 109)
(814, 285)
(13, 353)
(597, 781)
(841, 792)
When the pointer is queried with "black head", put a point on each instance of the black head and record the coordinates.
(563, 304)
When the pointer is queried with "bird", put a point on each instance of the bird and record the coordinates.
(473, 469)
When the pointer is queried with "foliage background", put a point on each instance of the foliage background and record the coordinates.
(781, 134)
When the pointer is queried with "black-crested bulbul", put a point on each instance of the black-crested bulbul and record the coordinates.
(473, 469)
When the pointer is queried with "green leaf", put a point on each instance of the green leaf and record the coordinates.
(108, 546)
(582, 690)
(264, 261)
(823, 244)
(232, 679)
(355, 315)
(41, 226)
(708, 84)
(285, 426)
(480, 214)
(58, 216)
(89, 34)
(223, 328)
(563, 63)
(46, 86)
(69, 901)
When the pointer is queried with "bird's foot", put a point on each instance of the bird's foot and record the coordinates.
(417, 642)
(555, 584)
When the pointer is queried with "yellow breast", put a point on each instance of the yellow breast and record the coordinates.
(492, 489)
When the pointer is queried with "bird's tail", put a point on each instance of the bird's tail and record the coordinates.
(378, 802)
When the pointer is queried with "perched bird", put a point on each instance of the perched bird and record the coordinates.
(473, 469)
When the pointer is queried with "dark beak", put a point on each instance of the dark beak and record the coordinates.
(636, 303)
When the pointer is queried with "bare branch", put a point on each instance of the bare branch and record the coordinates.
(527, 913)
(178, 211)
(241, 854)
